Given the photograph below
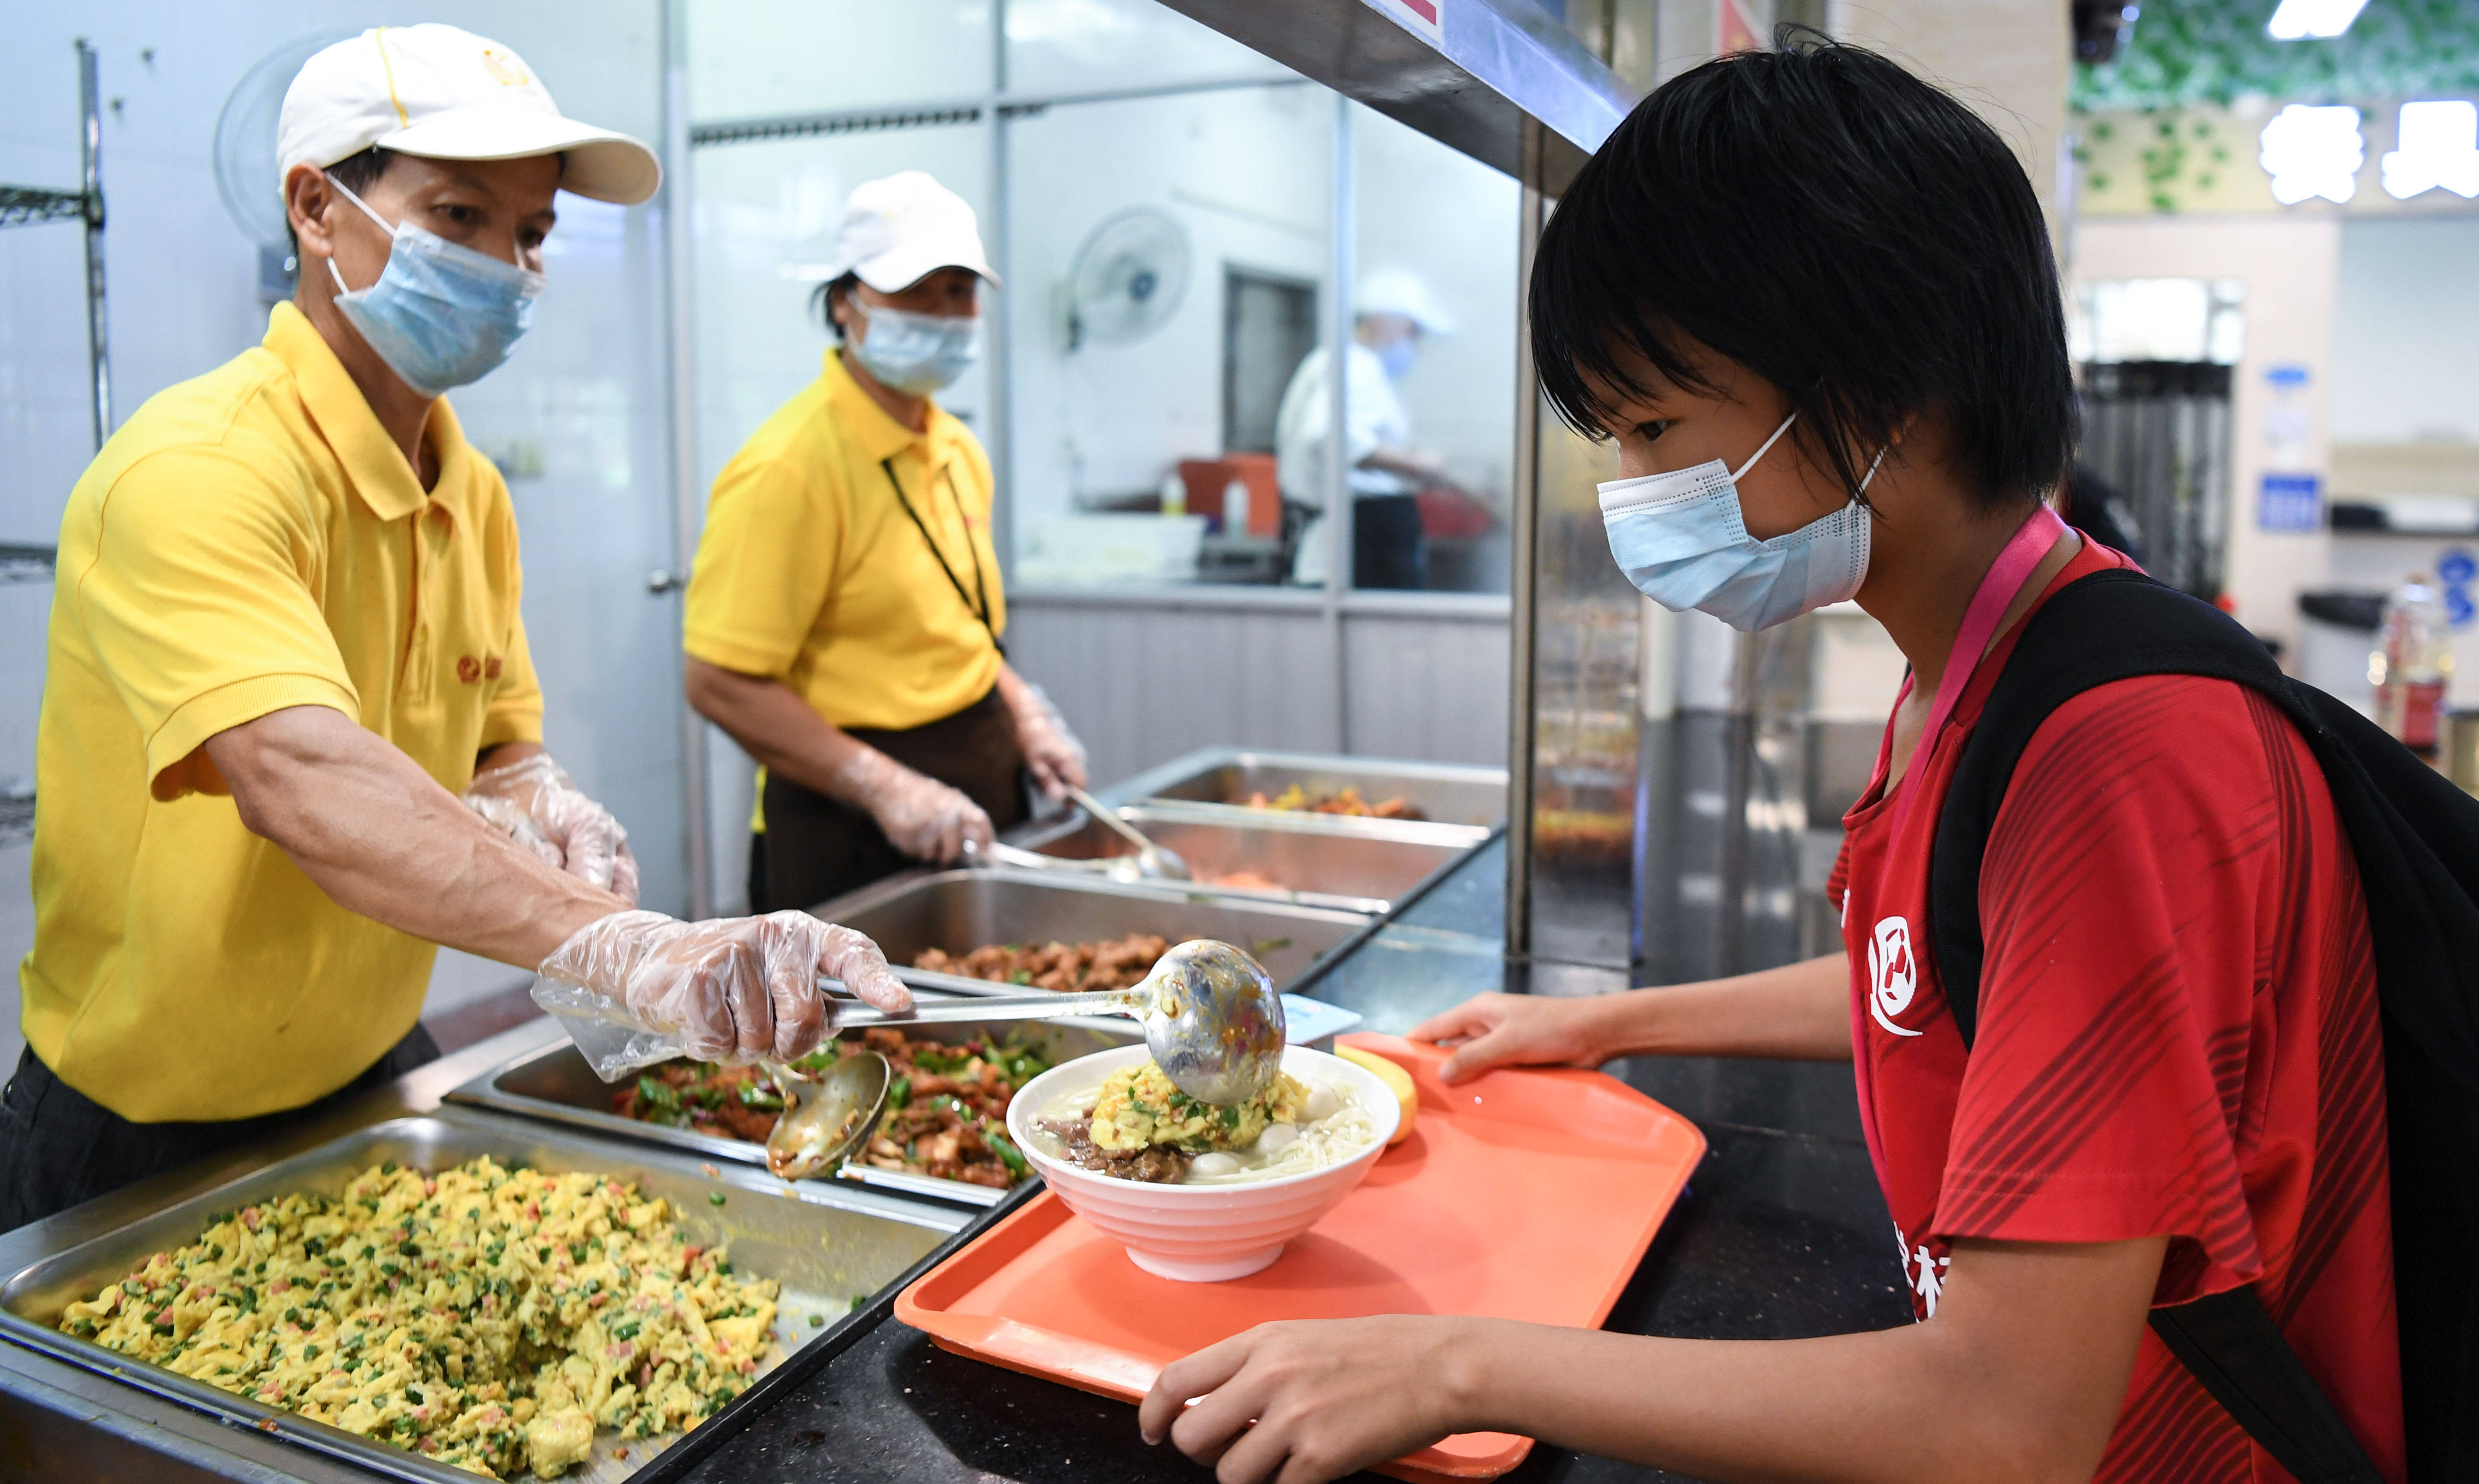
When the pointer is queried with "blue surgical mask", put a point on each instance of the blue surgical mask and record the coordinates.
(1398, 358)
(917, 354)
(441, 316)
(1682, 540)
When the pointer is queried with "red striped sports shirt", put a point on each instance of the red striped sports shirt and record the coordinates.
(2176, 1036)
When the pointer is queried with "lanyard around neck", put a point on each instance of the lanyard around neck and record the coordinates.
(2013, 568)
(981, 610)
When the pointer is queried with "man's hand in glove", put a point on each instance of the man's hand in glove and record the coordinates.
(734, 989)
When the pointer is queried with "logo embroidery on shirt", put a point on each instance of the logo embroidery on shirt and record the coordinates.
(470, 669)
(1893, 973)
(1922, 1270)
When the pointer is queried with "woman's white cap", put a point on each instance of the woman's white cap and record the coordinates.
(900, 230)
(443, 94)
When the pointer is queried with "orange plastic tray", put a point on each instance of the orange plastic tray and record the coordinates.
(1524, 1194)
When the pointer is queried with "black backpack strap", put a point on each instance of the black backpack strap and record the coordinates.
(2229, 1343)
(2110, 626)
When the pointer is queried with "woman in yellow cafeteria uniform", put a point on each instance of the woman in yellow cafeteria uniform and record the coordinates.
(845, 616)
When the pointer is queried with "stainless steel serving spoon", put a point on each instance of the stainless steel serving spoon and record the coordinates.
(1153, 861)
(824, 1117)
(1212, 1019)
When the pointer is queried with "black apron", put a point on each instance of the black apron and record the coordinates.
(814, 848)
(61, 1148)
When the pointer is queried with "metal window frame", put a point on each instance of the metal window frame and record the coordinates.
(30, 206)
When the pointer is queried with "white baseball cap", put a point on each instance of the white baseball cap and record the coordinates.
(443, 94)
(900, 230)
(1395, 291)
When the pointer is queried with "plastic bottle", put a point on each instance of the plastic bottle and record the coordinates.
(2411, 662)
(1174, 494)
(1235, 508)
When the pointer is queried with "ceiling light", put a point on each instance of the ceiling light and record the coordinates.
(2317, 20)
(2313, 152)
(2440, 146)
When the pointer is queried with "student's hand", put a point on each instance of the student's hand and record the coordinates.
(733, 989)
(923, 817)
(534, 802)
(1305, 1401)
(1515, 1030)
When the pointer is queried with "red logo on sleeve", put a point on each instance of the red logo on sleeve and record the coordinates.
(468, 669)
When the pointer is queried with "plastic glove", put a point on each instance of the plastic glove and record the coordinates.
(534, 802)
(733, 989)
(923, 817)
(1052, 754)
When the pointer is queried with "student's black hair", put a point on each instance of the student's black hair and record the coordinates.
(1837, 226)
(356, 173)
(822, 302)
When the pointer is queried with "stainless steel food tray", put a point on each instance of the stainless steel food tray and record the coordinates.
(961, 910)
(554, 1082)
(1219, 781)
(1315, 864)
(828, 1248)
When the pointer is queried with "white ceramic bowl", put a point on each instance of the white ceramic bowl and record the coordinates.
(1201, 1233)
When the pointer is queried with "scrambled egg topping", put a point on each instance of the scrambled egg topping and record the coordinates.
(489, 1319)
(1140, 1107)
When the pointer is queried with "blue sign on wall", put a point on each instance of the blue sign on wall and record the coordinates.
(2290, 502)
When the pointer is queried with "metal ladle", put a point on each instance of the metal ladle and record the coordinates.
(824, 1117)
(1213, 1021)
(1153, 861)
(1212, 1017)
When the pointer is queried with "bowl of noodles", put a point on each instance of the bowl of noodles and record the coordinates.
(1198, 1192)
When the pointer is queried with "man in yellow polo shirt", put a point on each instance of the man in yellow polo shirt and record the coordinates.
(285, 638)
(845, 614)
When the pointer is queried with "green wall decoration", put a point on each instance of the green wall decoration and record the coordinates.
(2191, 53)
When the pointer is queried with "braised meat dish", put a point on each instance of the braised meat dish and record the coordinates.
(1064, 968)
(946, 1110)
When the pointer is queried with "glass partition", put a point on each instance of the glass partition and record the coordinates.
(1432, 420)
(1167, 256)
(768, 59)
(765, 226)
(1083, 46)
(1167, 223)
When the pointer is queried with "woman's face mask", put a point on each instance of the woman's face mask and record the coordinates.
(915, 354)
(440, 316)
(1682, 540)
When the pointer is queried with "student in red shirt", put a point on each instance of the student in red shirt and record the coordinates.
(1812, 299)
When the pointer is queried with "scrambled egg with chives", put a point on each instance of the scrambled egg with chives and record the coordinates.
(1140, 1107)
(486, 1318)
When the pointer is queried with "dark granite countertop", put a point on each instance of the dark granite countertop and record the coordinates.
(1781, 1235)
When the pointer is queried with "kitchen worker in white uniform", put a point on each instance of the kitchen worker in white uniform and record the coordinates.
(1386, 472)
(285, 640)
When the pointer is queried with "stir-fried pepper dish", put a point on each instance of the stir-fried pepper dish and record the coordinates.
(1066, 968)
(946, 1107)
(1343, 801)
(486, 1318)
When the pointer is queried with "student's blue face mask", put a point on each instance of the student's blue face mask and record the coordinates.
(917, 354)
(1399, 357)
(1681, 539)
(441, 316)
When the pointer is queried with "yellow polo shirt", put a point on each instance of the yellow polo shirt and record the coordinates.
(249, 541)
(810, 573)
